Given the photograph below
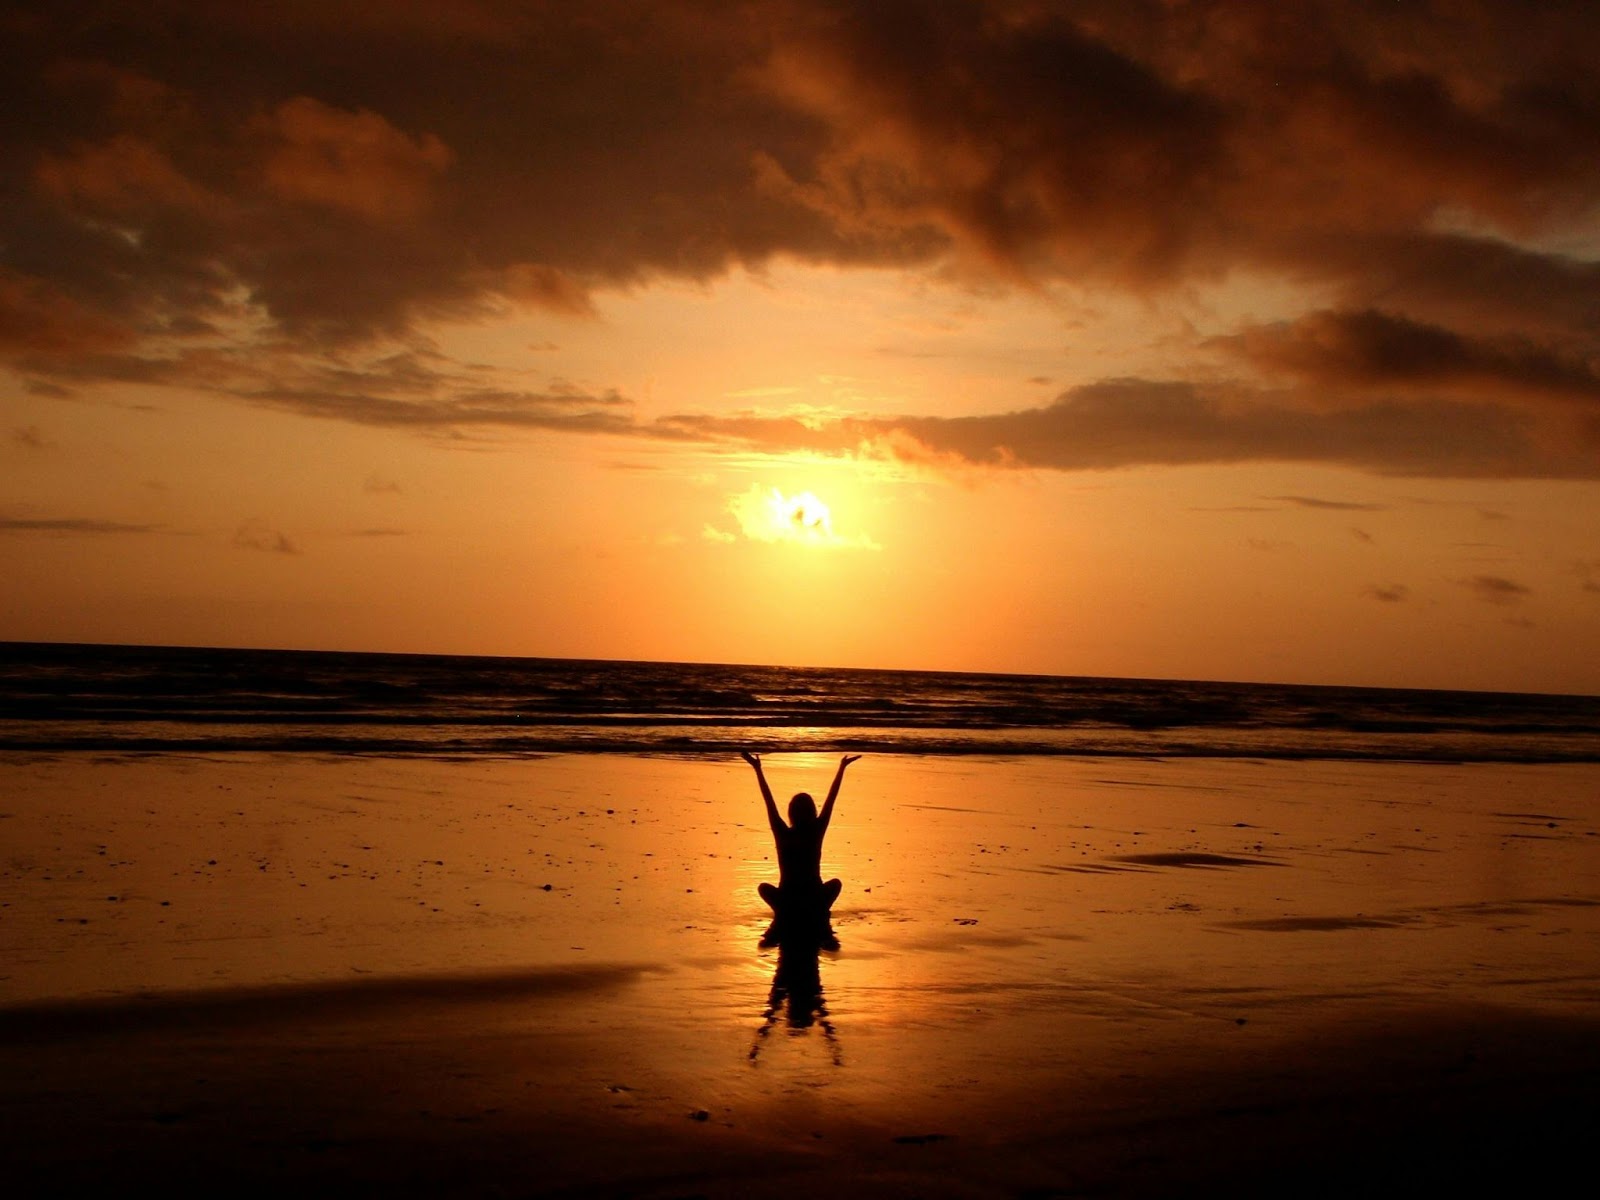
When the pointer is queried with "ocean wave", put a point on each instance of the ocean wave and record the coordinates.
(728, 741)
(63, 699)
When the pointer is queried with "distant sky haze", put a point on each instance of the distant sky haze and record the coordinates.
(1237, 340)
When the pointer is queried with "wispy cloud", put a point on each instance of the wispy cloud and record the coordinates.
(73, 525)
(410, 389)
(1496, 589)
(1333, 505)
(256, 534)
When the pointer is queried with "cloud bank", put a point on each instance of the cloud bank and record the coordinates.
(275, 205)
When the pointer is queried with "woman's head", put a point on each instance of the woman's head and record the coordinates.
(802, 809)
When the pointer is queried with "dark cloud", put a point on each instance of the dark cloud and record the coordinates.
(1375, 350)
(72, 525)
(1481, 283)
(566, 411)
(351, 174)
(1141, 422)
(1496, 589)
(237, 199)
(1018, 135)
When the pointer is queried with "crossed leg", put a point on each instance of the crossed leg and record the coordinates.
(774, 896)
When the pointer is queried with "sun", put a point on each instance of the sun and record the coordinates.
(766, 514)
(802, 517)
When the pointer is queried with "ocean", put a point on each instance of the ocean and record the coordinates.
(110, 699)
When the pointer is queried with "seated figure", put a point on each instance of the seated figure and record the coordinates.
(801, 898)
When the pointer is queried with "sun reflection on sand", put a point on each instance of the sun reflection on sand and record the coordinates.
(1028, 950)
(984, 901)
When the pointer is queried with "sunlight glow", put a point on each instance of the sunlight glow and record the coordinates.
(767, 515)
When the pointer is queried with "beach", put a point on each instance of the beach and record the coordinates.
(446, 444)
(543, 976)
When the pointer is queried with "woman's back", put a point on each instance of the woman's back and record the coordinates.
(799, 853)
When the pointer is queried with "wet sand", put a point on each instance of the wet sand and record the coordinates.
(543, 977)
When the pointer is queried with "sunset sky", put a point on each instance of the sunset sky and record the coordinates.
(1252, 341)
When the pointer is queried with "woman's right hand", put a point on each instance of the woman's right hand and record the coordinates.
(753, 759)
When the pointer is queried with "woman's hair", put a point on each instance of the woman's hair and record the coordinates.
(802, 809)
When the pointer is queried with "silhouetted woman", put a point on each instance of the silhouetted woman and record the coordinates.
(800, 894)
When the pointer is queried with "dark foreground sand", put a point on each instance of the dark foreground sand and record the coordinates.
(256, 975)
(425, 1094)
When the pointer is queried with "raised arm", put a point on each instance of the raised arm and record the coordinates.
(833, 791)
(766, 792)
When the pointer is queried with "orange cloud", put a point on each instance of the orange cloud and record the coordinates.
(126, 174)
(38, 321)
(356, 162)
(540, 286)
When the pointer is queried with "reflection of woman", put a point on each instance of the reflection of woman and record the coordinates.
(800, 891)
(796, 997)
